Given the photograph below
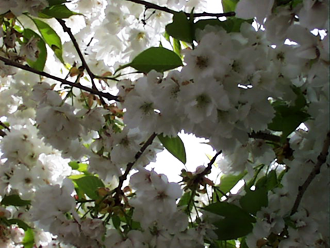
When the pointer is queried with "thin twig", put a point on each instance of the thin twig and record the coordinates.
(167, 10)
(129, 166)
(76, 46)
(321, 159)
(209, 165)
(63, 81)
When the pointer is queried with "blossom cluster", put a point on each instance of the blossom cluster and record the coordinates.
(74, 163)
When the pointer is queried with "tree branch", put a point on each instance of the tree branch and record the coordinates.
(63, 81)
(167, 10)
(209, 166)
(76, 46)
(129, 166)
(264, 136)
(321, 159)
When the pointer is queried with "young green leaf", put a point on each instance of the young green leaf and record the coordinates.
(155, 58)
(175, 146)
(180, 28)
(28, 240)
(89, 184)
(82, 167)
(177, 47)
(50, 37)
(229, 5)
(227, 182)
(39, 63)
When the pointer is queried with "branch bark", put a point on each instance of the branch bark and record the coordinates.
(321, 159)
(264, 136)
(129, 166)
(167, 10)
(63, 81)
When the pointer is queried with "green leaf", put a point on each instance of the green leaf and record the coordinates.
(272, 181)
(236, 223)
(300, 101)
(243, 243)
(14, 200)
(231, 228)
(155, 58)
(229, 210)
(19, 223)
(227, 182)
(28, 240)
(253, 201)
(184, 202)
(82, 167)
(175, 146)
(57, 11)
(56, 2)
(229, 5)
(232, 24)
(287, 119)
(89, 184)
(116, 221)
(50, 37)
(223, 244)
(39, 63)
(180, 28)
(177, 46)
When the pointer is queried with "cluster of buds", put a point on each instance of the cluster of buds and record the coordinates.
(196, 181)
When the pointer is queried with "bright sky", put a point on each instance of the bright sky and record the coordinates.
(197, 152)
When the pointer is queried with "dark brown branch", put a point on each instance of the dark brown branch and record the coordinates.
(2, 133)
(167, 10)
(129, 166)
(321, 159)
(209, 166)
(63, 81)
(265, 136)
(76, 46)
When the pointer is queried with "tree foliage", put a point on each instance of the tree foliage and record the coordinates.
(91, 91)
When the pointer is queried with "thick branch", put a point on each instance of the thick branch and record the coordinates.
(63, 81)
(321, 159)
(265, 136)
(167, 10)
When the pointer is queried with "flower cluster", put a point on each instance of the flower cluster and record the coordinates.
(78, 127)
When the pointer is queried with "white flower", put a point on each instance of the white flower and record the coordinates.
(248, 9)
(59, 125)
(93, 119)
(203, 98)
(30, 50)
(52, 202)
(314, 14)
